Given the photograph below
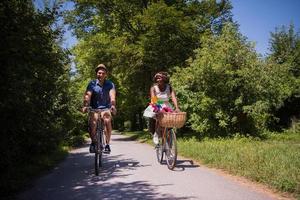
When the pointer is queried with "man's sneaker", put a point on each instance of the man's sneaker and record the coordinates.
(107, 148)
(92, 148)
(155, 138)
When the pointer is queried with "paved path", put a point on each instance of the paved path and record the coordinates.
(131, 171)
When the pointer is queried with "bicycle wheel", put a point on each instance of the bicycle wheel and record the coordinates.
(100, 148)
(97, 162)
(98, 152)
(159, 150)
(171, 148)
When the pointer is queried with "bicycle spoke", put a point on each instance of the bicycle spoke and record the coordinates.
(171, 149)
(97, 160)
(98, 153)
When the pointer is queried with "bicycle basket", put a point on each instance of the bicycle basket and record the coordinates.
(170, 120)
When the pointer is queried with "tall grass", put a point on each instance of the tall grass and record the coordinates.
(273, 162)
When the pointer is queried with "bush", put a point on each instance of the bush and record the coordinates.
(227, 89)
(127, 125)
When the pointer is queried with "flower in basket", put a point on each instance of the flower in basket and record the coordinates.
(156, 107)
(167, 109)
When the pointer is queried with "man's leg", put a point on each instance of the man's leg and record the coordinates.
(93, 127)
(108, 128)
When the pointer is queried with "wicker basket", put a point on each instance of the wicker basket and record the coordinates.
(170, 120)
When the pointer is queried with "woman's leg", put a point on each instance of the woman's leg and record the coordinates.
(152, 123)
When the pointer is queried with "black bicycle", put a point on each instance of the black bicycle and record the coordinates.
(100, 139)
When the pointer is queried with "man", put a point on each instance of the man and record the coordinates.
(100, 94)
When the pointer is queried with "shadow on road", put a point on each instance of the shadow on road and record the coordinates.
(182, 164)
(75, 179)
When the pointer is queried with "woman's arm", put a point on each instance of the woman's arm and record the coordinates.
(152, 92)
(174, 100)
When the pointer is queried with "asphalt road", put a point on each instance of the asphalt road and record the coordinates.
(131, 171)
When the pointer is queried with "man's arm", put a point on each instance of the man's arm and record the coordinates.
(86, 100)
(112, 94)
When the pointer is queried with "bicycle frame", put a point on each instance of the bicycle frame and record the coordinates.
(100, 137)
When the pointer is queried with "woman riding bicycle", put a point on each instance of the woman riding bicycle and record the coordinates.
(160, 93)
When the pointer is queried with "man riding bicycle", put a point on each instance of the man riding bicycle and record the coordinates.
(100, 94)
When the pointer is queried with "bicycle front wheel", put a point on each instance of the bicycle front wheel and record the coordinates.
(98, 157)
(159, 150)
(98, 152)
(171, 148)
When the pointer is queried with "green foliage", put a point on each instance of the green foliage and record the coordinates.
(285, 50)
(136, 39)
(34, 81)
(127, 125)
(227, 89)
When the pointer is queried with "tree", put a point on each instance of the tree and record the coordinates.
(285, 50)
(34, 79)
(227, 89)
(138, 38)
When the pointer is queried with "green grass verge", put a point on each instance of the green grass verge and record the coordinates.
(274, 161)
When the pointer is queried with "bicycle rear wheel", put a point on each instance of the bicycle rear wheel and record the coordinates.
(171, 148)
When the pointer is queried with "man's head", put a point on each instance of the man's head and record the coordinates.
(100, 66)
(101, 72)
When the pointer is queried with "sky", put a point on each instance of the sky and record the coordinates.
(257, 19)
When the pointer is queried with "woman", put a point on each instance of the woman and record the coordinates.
(161, 92)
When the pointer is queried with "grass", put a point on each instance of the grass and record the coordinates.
(274, 161)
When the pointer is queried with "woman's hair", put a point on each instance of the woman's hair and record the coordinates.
(164, 75)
